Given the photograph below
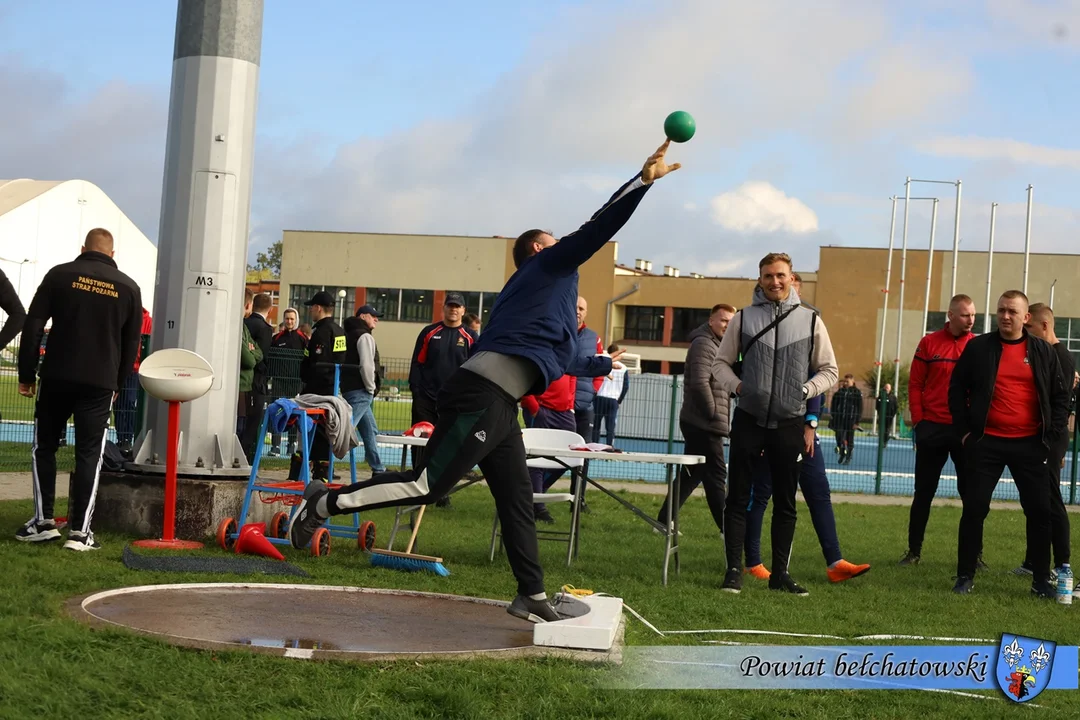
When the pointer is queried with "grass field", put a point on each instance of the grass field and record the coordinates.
(52, 666)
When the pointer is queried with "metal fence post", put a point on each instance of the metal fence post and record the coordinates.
(1072, 471)
(883, 428)
(671, 414)
(140, 396)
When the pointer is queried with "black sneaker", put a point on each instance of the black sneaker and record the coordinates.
(535, 611)
(1043, 589)
(732, 581)
(980, 564)
(786, 584)
(443, 502)
(305, 521)
(964, 585)
(909, 558)
(544, 515)
(1024, 569)
(81, 542)
(38, 531)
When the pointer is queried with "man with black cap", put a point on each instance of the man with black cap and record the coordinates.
(440, 350)
(325, 348)
(361, 378)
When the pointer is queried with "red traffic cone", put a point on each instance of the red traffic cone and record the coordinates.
(252, 540)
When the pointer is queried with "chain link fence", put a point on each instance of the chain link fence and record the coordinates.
(882, 460)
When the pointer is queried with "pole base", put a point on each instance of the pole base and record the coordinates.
(169, 544)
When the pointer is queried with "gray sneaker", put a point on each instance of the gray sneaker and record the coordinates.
(305, 521)
(38, 531)
(81, 542)
(535, 611)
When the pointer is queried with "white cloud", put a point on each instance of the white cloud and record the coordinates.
(724, 268)
(758, 207)
(1016, 151)
(691, 206)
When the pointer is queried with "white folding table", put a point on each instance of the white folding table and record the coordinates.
(673, 463)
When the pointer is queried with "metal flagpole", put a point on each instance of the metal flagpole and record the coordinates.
(955, 242)
(1027, 237)
(903, 274)
(885, 306)
(1052, 293)
(989, 267)
(929, 266)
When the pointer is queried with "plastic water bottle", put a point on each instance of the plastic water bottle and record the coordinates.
(1065, 585)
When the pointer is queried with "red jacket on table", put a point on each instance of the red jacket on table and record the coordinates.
(147, 328)
(931, 370)
(559, 396)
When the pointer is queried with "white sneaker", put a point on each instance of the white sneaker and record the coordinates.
(81, 542)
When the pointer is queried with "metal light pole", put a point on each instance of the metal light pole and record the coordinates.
(885, 306)
(989, 267)
(929, 266)
(1052, 293)
(1027, 236)
(341, 307)
(205, 210)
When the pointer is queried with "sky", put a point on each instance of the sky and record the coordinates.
(488, 118)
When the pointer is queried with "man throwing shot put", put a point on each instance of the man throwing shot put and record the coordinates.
(529, 340)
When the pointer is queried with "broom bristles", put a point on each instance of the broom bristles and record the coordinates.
(408, 563)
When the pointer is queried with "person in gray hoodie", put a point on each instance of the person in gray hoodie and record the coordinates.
(765, 358)
(705, 416)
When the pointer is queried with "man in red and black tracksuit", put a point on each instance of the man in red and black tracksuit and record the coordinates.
(1009, 405)
(553, 408)
(286, 386)
(440, 350)
(96, 314)
(931, 421)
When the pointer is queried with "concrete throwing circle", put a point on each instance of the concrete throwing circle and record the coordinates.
(312, 621)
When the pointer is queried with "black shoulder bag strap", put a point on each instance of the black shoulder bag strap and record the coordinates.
(742, 352)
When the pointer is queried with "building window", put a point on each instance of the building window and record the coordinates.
(385, 300)
(644, 323)
(650, 366)
(479, 303)
(936, 320)
(416, 305)
(300, 294)
(685, 321)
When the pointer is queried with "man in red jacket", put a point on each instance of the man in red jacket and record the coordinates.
(931, 421)
(553, 408)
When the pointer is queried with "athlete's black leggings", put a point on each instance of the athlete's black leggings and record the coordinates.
(477, 425)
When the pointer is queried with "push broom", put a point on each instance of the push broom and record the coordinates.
(406, 560)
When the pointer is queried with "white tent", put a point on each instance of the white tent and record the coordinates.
(43, 224)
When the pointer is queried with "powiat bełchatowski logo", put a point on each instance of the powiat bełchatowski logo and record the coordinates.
(1023, 666)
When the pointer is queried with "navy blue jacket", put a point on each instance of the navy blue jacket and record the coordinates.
(535, 316)
(588, 343)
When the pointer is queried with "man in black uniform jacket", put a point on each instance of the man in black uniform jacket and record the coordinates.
(16, 315)
(262, 332)
(440, 350)
(327, 345)
(96, 313)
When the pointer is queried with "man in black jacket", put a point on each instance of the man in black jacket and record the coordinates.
(1041, 325)
(96, 313)
(326, 347)
(440, 350)
(262, 332)
(1009, 406)
(13, 307)
(845, 412)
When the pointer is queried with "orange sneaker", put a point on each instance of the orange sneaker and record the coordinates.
(844, 570)
(759, 571)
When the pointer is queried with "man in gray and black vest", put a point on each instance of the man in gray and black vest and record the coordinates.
(767, 352)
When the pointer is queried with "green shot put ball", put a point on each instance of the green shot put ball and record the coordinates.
(679, 126)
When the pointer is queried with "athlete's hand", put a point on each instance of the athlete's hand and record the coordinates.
(616, 355)
(808, 440)
(655, 167)
(28, 390)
